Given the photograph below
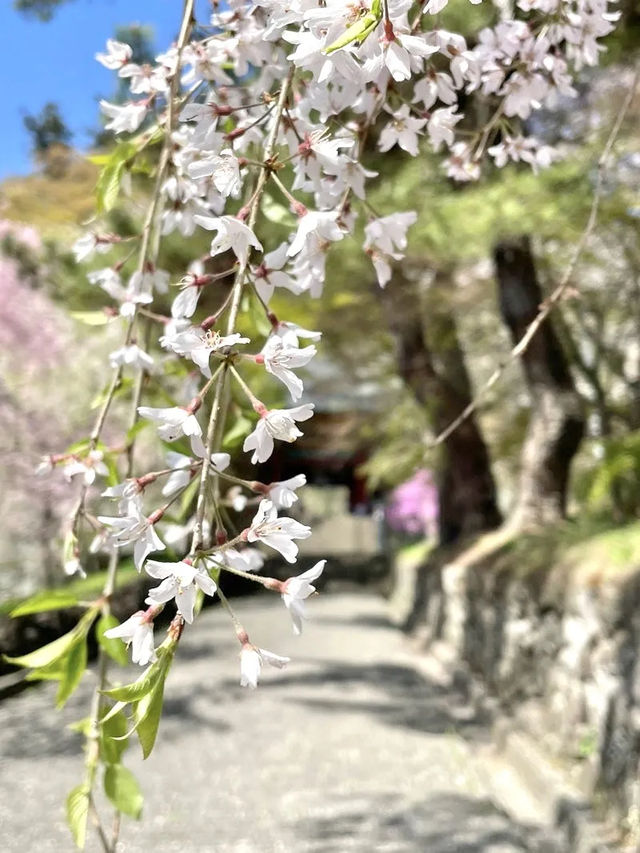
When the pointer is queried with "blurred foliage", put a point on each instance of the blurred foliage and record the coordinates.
(47, 128)
(44, 10)
(608, 487)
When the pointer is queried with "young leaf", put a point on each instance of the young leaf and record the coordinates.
(358, 31)
(111, 176)
(49, 599)
(77, 812)
(122, 789)
(140, 687)
(52, 652)
(91, 318)
(115, 727)
(82, 727)
(147, 714)
(115, 648)
(75, 664)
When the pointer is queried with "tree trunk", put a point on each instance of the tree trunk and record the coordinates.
(556, 425)
(431, 362)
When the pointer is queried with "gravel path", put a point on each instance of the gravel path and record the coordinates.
(350, 748)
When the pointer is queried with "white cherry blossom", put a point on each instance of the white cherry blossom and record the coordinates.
(279, 359)
(296, 590)
(180, 581)
(277, 533)
(277, 423)
(403, 130)
(251, 660)
(198, 345)
(283, 493)
(136, 631)
(125, 118)
(175, 422)
(133, 528)
(232, 234)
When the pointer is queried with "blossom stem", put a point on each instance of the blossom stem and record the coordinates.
(225, 603)
(267, 583)
(219, 405)
(223, 547)
(252, 397)
(295, 204)
(93, 752)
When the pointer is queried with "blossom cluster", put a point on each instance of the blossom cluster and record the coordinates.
(285, 96)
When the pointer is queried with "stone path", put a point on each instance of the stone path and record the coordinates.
(350, 748)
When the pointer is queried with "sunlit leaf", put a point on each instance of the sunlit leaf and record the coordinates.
(77, 813)
(75, 664)
(51, 599)
(121, 787)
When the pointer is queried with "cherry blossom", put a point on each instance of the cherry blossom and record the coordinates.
(175, 422)
(251, 660)
(89, 468)
(199, 345)
(296, 590)
(403, 130)
(136, 631)
(277, 533)
(126, 118)
(283, 494)
(179, 581)
(232, 234)
(133, 528)
(279, 359)
(277, 423)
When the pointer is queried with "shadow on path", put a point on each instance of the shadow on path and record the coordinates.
(444, 823)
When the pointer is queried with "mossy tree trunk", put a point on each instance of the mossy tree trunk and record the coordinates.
(556, 424)
(431, 362)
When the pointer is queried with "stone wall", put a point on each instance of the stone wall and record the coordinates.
(551, 631)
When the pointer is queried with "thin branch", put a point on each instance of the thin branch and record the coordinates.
(547, 306)
(93, 752)
(218, 408)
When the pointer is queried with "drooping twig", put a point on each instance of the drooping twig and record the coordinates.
(218, 406)
(110, 581)
(558, 293)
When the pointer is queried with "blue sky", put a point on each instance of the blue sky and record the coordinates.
(54, 61)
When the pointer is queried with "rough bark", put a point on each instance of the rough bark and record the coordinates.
(556, 424)
(431, 362)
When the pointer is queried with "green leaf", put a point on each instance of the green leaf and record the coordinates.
(115, 648)
(114, 727)
(75, 665)
(147, 715)
(122, 789)
(50, 599)
(79, 446)
(53, 672)
(91, 318)
(82, 726)
(111, 176)
(99, 159)
(52, 652)
(140, 687)
(359, 30)
(108, 186)
(77, 813)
